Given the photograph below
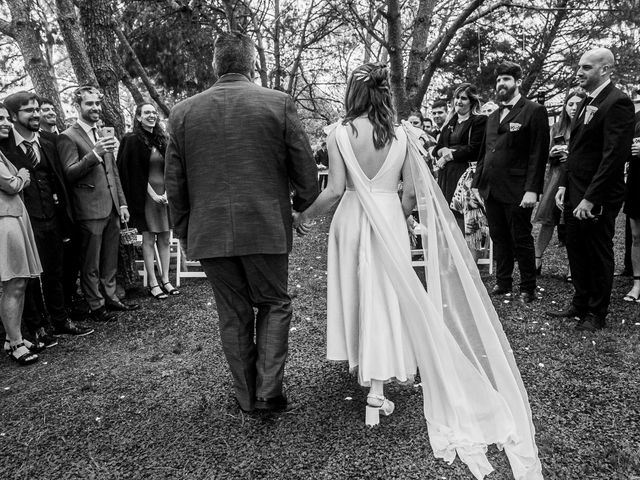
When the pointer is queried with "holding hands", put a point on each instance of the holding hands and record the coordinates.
(301, 223)
(445, 156)
(25, 175)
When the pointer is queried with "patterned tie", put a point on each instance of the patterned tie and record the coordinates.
(31, 154)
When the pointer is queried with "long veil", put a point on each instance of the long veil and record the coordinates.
(473, 392)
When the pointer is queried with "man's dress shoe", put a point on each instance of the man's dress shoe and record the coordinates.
(498, 290)
(276, 404)
(527, 297)
(591, 323)
(569, 312)
(101, 315)
(114, 306)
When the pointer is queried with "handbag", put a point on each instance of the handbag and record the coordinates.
(129, 236)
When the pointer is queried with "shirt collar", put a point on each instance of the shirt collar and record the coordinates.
(514, 100)
(87, 128)
(54, 130)
(597, 91)
(20, 139)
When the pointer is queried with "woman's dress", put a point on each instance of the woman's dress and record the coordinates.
(18, 252)
(156, 214)
(381, 319)
(547, 212)
(364, 325)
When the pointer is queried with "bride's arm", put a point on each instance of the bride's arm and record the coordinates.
(335, 185)
(408, 189)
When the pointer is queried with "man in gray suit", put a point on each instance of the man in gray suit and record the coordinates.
(236, 152)
(98, 201)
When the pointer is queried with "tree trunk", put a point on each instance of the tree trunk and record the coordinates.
(70, 28)
(26, 34)
(277, 28)
(96, 19)
(141, 71)
(396, 65)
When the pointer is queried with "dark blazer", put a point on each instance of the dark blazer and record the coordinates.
(235, 153)
(514, 153)
(471, 137)
(598, 151)
(95, 185)
(133, 166)
(16, 156)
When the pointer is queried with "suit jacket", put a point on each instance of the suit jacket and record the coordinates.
(48, 150)
(11, 184)
(514, 153)
(94, 184)
(598, 150)
(235, 153)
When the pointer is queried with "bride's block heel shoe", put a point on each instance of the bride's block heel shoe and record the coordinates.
(376, 405)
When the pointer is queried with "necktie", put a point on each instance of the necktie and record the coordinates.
(95, 135)
(31, 153)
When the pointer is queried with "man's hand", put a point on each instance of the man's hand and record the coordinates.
(583, 210)
(104, 145)
(124, 214)
(529, 200)
(301, 224)
(560, 198)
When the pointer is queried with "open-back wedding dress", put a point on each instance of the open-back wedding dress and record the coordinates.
(381, 319)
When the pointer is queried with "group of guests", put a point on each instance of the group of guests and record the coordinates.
(494, 170)
(63, 199)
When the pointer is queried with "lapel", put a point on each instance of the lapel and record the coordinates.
(513, 112)
(14, 154)
(83, 136)
(579, 119)
(493, 122)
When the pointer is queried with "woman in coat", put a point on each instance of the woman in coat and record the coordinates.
(141, 167)
(459, 142)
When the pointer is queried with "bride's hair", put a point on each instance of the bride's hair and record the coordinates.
(368, 93)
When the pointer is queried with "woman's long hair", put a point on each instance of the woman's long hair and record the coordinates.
(368, 92)
(156, 138)
(471, 92)
(565, 120)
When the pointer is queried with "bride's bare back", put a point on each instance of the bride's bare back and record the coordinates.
(369, 159)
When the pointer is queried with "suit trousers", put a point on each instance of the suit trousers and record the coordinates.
(49, 287)
(99, 242)
(72, 265)
(590, 252)
(510, 230)
(240, 284)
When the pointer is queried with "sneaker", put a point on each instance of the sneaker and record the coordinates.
(69, 328)
(45, 338)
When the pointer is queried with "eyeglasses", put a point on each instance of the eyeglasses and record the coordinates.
(30, 109)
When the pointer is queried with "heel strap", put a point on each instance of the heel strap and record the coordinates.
(375, 396)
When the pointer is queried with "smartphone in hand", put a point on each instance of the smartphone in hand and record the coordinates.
(107, 132)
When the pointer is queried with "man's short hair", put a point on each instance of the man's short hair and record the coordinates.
(85, 89)
(19, 99)
(440, 103)
(509, 68)
(234, 52)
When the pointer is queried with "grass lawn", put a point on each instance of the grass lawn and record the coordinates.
(150, 396)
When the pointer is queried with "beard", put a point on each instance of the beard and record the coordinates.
(504, 94)
(31, 125)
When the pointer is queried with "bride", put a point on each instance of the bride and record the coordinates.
(379, 316)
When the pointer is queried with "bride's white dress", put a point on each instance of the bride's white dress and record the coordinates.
(381, 319)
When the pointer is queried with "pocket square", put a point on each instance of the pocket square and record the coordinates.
(590, 111)
(514, 127)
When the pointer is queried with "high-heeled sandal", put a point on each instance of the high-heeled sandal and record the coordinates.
(632, 298)
(159, 295)
(33, 348)
(170, 291)
(376, 405)
(24, 359)
(539, 267)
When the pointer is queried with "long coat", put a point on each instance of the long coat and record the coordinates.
(133, 166)
(471, 137)
(514, 155)
(235, 153)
